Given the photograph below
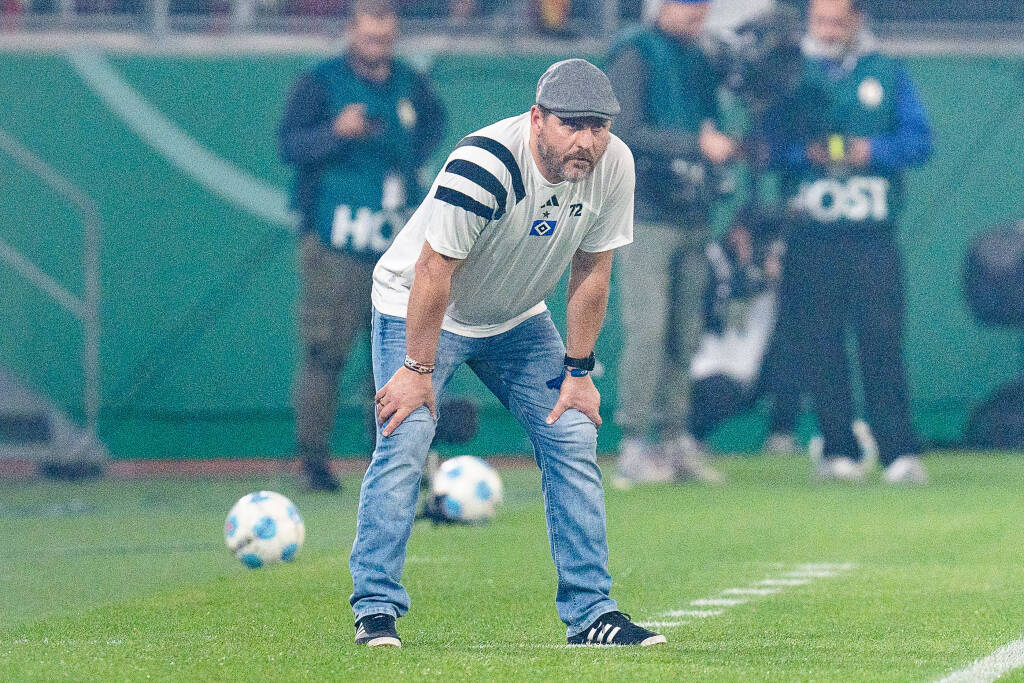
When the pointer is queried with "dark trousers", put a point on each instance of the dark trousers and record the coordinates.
(842, 285)
(782, 370)
(334, 308)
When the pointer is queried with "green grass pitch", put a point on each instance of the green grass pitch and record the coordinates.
(130, 580)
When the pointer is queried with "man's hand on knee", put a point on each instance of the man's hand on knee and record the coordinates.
(581, 394)
(405, 392)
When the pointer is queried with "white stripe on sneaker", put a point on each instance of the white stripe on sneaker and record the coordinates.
(611, 636)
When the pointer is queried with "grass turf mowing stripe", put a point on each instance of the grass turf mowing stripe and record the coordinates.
(823, 566)
(751, 591)
(998, 664)
(717, 602)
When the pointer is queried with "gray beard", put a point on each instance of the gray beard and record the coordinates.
(552, 162)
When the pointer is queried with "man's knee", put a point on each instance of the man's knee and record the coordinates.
(417, 428)
(398, 459)
(573, 431)
(410, 441)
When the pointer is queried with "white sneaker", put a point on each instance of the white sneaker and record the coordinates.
(867, 444)
(690, 460)
(641, 463)
(780, 443)
(839, 469)
(906, 469)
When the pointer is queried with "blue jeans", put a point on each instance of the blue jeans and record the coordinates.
(516, 365)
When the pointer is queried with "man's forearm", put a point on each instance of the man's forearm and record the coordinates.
(306, 135)
(427, 303)
(588, 301)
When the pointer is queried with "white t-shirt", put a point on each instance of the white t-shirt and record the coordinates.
(515, 232)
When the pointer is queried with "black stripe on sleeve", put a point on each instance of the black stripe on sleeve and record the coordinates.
(463, 201)
(501, 152)
(482, 177)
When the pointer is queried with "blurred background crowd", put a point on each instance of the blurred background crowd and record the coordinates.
(197, 362)
(553, 17)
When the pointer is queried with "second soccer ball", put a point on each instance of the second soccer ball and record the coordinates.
(469, 489)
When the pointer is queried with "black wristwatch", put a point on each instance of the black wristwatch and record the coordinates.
(580, 367)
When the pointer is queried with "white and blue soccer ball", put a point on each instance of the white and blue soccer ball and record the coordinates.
(467, 489)
(264, 528)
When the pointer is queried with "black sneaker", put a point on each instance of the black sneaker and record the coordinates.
(615, 628)
(316, 476)
(375, 630)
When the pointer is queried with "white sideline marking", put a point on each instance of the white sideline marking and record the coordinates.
(1001, 662)
(717, 602)
(425, 559)
(825, 566)
(751, 591)
(800, 575)
(224, 179)
(539, 646)
(784, 582)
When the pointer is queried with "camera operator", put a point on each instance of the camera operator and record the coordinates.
(842, 145)
(668, 92)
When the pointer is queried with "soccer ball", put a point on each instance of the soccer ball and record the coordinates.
(264, 528)
(467, 489)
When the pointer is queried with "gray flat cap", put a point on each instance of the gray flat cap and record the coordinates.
(575, 87)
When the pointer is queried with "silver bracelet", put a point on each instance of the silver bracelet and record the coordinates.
(420, 368)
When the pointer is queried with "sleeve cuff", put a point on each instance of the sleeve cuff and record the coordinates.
(446, 250)
(607, 246)
(880, 152)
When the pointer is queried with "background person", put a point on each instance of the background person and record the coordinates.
(357, 128)
(668, 90)
(844, 143)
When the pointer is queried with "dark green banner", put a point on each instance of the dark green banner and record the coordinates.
(199, 286)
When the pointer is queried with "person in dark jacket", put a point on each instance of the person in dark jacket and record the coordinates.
(843, 145)
(357, 128)
(668, 91)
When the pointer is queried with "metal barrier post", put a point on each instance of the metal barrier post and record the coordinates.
(86, 308)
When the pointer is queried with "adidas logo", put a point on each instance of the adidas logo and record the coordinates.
(551, 202)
